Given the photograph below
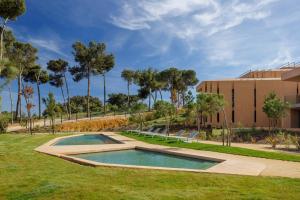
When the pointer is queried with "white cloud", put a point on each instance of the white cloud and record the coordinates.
(50, 45)
(190, 18)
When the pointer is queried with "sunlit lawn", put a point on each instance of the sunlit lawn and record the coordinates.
(26, 174)
(211, 147)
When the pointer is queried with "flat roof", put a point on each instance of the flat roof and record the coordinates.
(293, 75)
(244, 79)
(240, 79)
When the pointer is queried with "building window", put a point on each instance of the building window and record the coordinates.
(232, 97)
(218, 117)
(254, 116)
(218, 90)
(205, 87)
(254, 97)
(210, 87)
(297, 89)
(232, 116)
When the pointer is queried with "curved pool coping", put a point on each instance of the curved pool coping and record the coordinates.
(229, 164)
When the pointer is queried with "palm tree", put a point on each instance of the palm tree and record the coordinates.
(51, 109)
(128, 75)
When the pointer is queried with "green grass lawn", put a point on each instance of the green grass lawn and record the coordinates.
(26, 174)
(215, 148)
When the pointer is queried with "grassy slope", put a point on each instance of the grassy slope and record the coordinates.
(215, 148)
(26, 174)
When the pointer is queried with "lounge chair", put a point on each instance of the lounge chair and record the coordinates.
(163, 131)
(178, 135)
(192, 135)
(152, 132)
(147, 131)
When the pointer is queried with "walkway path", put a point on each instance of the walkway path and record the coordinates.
(261, 147)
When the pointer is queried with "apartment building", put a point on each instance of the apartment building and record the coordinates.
(245, 96)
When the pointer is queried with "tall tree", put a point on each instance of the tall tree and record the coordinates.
(188, 79)
(9, 10)
(106, 66)
(8, 71)
(128, 75)
(58, 78)
(146, 80)
(23, 56)
(172, 78)
(38, 76)
(92, 61)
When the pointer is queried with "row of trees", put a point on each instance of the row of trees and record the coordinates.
(152, 82)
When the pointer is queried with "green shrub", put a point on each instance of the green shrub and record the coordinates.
(273, 140)
(296, 141)
(3, 124)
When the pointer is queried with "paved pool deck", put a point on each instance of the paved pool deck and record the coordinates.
(229, 164)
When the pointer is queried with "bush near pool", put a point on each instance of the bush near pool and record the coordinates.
(93, 125)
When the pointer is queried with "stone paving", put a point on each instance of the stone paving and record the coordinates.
(229, 164)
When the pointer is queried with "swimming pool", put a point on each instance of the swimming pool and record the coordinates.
(147, 158)
(86, 140)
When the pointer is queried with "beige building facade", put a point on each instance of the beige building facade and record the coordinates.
(245, 96)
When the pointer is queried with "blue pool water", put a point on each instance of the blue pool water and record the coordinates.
(147, 158)
(86, 140)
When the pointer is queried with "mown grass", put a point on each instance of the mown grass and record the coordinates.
(212, 147)
(26, 174)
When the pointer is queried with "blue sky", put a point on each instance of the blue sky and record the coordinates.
(218, 39)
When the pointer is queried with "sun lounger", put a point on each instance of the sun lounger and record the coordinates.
(163, 131)
(192, 135)
(178, 135)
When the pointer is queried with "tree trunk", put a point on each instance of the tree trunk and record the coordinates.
(155, 96)
(18, 105)
(30, 122)
(128, 94)
(160, 94)
(149, 101)
(88, 95)
(104, 91)
(63, 96)
(53, 125)
(39, 98)
(198, 122)
(183, 98)
(69, 103)
(11, 106)
(225, 119)
(223, 135)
